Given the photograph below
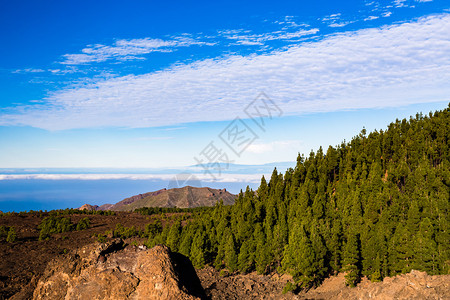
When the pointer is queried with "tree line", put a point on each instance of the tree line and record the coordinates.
(375, 206)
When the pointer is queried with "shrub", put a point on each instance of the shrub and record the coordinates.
(54, 224)
(12, 236)
(101, 238)
(84, 224)
(152, 229)
(125, 232)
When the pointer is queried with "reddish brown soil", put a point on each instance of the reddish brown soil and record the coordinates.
(28, 256)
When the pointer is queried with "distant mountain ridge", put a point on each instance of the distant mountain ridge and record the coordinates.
(185, 197)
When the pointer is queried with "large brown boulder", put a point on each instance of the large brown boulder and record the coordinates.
(113, 271)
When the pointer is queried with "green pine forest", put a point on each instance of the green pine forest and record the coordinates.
(376, 206)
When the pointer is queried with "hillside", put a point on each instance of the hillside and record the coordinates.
(185, 197)
(60, 256)
(374, 207)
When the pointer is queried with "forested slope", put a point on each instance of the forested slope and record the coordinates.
(375, 206)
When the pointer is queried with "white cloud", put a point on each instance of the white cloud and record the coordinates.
(400, 3)
(407, 3)
(174, 128)
(123, 50)
(244, 37)
(335, 20)
(67, 70)
(289, 22)
(389, 66)
(341, 24)
(370, 18)
(203, 177)
(152, 138)
(259, 148)
(332, 17)
(386, 14)
(28, 70)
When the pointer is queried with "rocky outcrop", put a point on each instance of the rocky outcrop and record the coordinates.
(88, 207)
(116, 271)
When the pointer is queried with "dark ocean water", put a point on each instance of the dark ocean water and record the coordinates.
(36, 194)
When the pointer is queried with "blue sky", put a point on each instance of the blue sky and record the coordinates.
(151, 84)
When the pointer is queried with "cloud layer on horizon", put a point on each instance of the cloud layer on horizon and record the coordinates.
(390, 66)
(225, 177)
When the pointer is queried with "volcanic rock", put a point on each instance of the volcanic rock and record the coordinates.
(89, 207)
(116, 271)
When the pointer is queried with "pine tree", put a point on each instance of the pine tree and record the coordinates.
(173, 238)
(351, 259)
(400, 252)
(198, 253)
(186, 241)
(335, 244)
(426, 248)
(246, 256)
(262, 258)
(231, 257)
(299, 256)
(320, 252)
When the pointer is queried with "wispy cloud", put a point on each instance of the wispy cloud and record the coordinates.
(407, 3)
(289, 22)
(174, 128)
(28, 70)
(400, 3)
(244, 37)
(66, 70)
(390, 66)
(123, 50)
(259, 148)
(335, 20)
(153, 138)
(371, 18)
